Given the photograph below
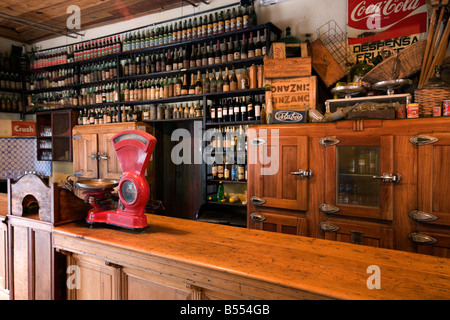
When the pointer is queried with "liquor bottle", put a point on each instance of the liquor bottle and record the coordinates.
(215, 29)
(244, 48)
(169, 61)
(251, 47)
(233, 20)
(264, 44)
(212, 113)
(204, 55)
(250, 110)
(189, 30)
(206, 83)
(224, 50)
(178, 86)
(198, 84)
(199, 27)
(185, 58)
(226, 169)
(252, 17)
(194, 29)
(198, 57)
(230, 51)
(193, 57)
(205, 26)
(224, 111)
(163, 61)
(245, 18)
(257, 109)
(213, 83)
(226, 81)
(227, 26)
(180, 59)
(237, 110)
(237, 49)
(191, 89)
(211, 57)
(219, 112)
(198, 110)
(184, 87)
(221, 23)
(214, 171)
(258, 45)
(218, 54)
(175, 60)
(239, 18)
(220, 81)
(233, 80)
(209, 25)
(243, 110)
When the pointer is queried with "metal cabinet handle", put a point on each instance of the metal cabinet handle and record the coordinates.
(257, 217)
(104, 156)
(327, 141)
(421, 216)
(94, 156)
(328, 208)
(257, 201)
(328, 227)
(303, 173)
(257, 141)
(421, 140)
(421, 238)
(389, 177)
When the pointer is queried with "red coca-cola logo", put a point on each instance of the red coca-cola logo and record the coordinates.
(390, 11)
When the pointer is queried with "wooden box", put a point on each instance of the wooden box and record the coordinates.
(325, 65)
(287, 68)
(292, 93)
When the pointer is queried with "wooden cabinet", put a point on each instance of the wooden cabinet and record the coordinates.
(4, 286)
(371, 182)
(280, 172)
(54, 135)
(431, 234)
(94, 154)
(282, 223)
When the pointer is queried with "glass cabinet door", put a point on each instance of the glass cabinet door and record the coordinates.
(353, 177)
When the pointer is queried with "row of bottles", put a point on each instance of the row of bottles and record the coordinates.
(100, 71)
(11, 102)
(192, 28)
(54, 99)
(52, 79)
(99, 94)
(185, 58)
(97, 48)
(52, 57)
(237, 110)
(99, 116)
(10, 80)
(211, 82)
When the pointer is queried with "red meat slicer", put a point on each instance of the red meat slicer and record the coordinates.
(133, 150)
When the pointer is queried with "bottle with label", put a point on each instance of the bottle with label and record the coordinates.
(198, 84)
(220, 192)
(184, 87)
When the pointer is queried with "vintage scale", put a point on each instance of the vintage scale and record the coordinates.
(133, 150)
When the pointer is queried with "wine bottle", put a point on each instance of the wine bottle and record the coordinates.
(227, 26)
(221, 23)
(258, 45)
(251, 47)
(206, 83)
(226, 81)
(257, 109)
(198, 84)
(250, 110)
(237, 50)
(191, 89)
(220, 81)
(230, 53)
(243, 110)
(233, 80)
(193, 58)
(218, 54)
(244, 48)
(245, 18)
(210, 54)
(198, 58)
(237, 110)
(233, 20)
(213, 84)
(239, 18)
(184, 87)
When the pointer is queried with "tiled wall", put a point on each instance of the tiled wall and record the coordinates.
(18, 155)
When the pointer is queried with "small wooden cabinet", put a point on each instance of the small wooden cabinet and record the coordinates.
(370, 182)
(54, 135)
(94, 154)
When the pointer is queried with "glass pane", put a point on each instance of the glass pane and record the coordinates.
(356, 167)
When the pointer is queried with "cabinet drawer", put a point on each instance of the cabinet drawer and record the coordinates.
(435, 243)
(358, 232)
(281, 223)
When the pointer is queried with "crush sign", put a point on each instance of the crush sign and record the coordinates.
(375, 20)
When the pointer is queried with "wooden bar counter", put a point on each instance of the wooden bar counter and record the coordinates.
(184, 259)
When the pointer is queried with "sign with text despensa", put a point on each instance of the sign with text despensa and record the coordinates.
(375, 20)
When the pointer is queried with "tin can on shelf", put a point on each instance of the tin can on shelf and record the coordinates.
(446, 108)
(413, 110)
(400, 112)
(437, 111)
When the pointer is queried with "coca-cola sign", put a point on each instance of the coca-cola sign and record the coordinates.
(374, 20)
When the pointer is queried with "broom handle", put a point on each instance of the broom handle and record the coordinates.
(440, 53)
(429, 42)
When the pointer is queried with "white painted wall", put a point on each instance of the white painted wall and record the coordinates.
(303, 16)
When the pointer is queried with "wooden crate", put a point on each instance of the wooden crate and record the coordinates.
(325, 65)
(287, 67)
(292, 93)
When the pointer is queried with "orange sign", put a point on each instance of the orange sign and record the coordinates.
(23, 129)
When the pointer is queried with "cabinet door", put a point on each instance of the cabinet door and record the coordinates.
(280, 223)
(358, 233)
(109, 166)
(353, 167)
(85, 163)
(275, 168)
(92, 279)
(3, 258)
(433, 180)
(432, 243)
